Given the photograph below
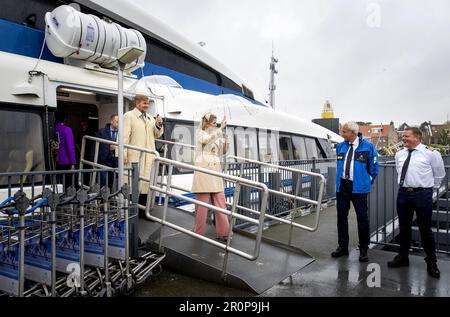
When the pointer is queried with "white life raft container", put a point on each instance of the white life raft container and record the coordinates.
(72, 34)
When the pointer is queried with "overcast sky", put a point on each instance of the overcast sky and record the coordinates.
(375, 61)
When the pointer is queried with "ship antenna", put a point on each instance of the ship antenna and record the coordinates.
(273, 72)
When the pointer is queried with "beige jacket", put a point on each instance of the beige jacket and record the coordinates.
(140, 133)
(208, 152)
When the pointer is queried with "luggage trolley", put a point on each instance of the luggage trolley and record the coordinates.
(71, 244)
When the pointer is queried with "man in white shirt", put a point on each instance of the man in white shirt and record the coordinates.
(419, 171)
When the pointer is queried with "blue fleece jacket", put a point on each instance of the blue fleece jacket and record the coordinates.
(365, 165)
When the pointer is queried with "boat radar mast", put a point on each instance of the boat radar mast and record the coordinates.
(273, 72)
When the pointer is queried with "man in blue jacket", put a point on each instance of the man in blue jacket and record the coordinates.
(357, 168)
(107, 153)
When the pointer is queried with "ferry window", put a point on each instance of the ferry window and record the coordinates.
(228, 83)
(246, 143)
(21, 148)
(248, 93)
(311, 148)
(286, 148)
(299, 148)
(182, 134)
(163, 55)
(326, 148)
(268, 150)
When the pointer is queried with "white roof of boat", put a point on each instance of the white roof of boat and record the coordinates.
(129, 12)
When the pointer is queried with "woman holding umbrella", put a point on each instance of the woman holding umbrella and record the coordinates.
(210, 145)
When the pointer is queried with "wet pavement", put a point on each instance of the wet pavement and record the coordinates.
(325, 277)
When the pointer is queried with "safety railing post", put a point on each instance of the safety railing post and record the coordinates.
(262, 218)
(53, 201)
(163, 172)
(82, 154)
(22, 204)
(241, 170)
(151, 197)
(230, 230)
(106, 196)
(166, 206)
(82, 197)
(94, 174)
(135, 183)
(126, 196)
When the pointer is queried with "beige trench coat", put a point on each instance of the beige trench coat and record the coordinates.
(208, 152)
(140, 133)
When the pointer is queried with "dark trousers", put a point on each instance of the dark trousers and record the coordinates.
(107, 178)
(143, 202)
(344, 198)
(422, 203)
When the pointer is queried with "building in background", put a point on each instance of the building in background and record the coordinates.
(328, 120)
(382, 136)
(440, 134)
(401, 130)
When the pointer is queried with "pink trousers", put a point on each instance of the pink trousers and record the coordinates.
(222, 224)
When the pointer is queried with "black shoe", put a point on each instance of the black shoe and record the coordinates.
(398, 262)
(340, 252)
(363, 257)
(433, 270)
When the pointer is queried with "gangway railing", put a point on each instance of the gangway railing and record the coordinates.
(97, 142)
(163, 164)
(167, 190)
(317, 203)
(157, 184)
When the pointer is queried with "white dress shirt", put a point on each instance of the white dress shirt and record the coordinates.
(355, 146)
(426, 168)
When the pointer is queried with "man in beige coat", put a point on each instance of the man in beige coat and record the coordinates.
(141, 130)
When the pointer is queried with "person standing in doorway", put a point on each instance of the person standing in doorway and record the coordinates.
(419, 171)
(210, 146)
(66, 159)
(357, 168)
(107, 155)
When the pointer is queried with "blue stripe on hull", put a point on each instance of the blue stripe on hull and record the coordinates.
(23, 40)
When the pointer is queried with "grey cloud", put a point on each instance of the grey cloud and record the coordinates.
(397, 72)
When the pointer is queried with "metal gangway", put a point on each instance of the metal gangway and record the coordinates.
(247, 260)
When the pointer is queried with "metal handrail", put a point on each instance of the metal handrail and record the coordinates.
(154, 188)
(176, 144)
(99, 141)
(317, 203)
(107, 142)
(232, 214)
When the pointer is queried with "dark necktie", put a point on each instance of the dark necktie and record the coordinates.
(405, 168)
(349, 162)
(114, 135)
